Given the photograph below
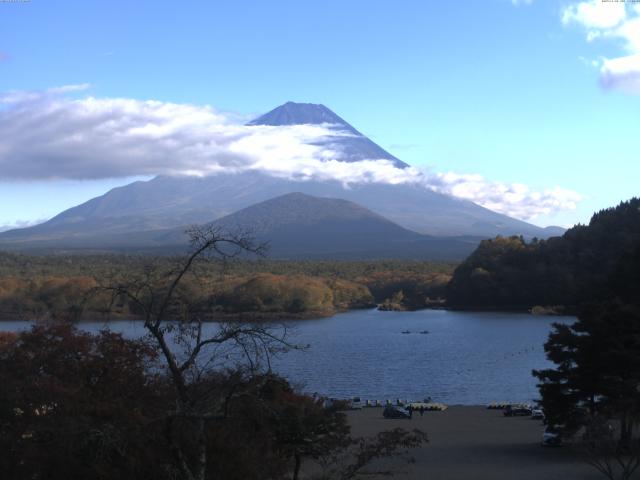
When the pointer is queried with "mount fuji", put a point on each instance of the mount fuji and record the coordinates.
(140, 214)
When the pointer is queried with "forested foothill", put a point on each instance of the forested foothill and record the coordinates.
(64, 286)
(591, 396)
(595, 262)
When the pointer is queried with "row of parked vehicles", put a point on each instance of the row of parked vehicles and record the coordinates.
(550, 437)
(520, 410)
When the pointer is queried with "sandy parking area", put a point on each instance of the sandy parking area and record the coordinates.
(475, 443)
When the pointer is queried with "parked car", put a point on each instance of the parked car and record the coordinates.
(516, 411)
(391, 411)
(551, 437)
(537, 414)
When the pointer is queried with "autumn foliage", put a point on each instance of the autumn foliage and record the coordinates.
(66, 288)
(75, 406)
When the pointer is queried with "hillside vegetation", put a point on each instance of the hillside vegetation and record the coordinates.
(34, 287)
(596, 262)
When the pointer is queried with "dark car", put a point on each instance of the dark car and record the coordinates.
(551, 437)
(395, 412)
(516, 411)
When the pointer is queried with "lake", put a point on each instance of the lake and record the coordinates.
(466, 358)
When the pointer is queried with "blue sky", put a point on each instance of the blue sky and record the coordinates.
(512, 92)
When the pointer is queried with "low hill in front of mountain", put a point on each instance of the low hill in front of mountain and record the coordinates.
(303, 226)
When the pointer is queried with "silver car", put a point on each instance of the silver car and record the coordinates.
(537, 414)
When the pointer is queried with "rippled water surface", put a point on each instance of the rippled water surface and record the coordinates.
(465, 358)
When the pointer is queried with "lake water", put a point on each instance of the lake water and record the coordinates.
(466, 358)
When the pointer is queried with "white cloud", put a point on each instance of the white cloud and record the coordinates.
(595, 14)
(20, 224)
(622, 74)
(589, 62)
(593, 35)
(23, 96)
(47, 135)
(69, 88)
(521, 2)
(612, 21)
(516, 200)
(629, 32)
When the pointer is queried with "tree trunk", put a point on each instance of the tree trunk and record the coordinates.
(296, 468)
(201, 467)
(177, 451)
(623, 430)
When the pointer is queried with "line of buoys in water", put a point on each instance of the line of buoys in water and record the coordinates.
(520, 352)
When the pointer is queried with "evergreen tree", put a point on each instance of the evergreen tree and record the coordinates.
(597, 370)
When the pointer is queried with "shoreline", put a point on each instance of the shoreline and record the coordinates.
(268, 317)
(218, 317)
(567, 311)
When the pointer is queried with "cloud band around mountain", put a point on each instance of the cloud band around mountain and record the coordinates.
(52, 135)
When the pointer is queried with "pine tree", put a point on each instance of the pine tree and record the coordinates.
(597, 370)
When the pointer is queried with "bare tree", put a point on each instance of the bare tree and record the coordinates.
(604, 450)
(190, 348)
(213, 368)
(361, 453)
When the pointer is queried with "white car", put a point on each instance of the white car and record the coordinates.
(537, 414)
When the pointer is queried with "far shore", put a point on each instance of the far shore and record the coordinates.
(558, 310)
(269, 317)
(265, 317)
